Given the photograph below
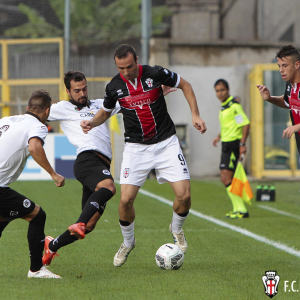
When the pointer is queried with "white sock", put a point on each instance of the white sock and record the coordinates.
(128, 234)
(177, 222)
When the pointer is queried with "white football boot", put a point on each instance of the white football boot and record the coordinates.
(179, 239)
(122, 254)
(43, 272)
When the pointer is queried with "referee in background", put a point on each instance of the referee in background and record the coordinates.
(235, 128)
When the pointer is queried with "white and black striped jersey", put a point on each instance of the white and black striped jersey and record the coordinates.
(15, 133)
(145, 115)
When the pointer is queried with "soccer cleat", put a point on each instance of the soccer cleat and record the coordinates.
(122, 254)
(229, 214)
(77, 229)
(48, 254)
(179, 239)
(43, 272)
(239, 215)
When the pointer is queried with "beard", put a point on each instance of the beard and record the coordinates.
(81, 102)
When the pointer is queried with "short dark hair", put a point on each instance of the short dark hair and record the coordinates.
(288, 50)
(39, 101)
(222, 81)
(123, 50)
(72, 75)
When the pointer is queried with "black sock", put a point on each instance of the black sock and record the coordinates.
(36, 239)
(2, 226)
(64, 239)
(96, 202)
(184, 214)
(86, 193)
(124, 223)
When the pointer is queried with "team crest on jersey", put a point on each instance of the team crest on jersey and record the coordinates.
(126, 172)
(271, 281)
(149, 82)
(26, 203)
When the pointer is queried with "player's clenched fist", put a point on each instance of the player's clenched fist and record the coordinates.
(86, 126)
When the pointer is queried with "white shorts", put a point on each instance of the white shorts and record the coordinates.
(165, 157)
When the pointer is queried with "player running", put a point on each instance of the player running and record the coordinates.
(92, 165)
(150, 140)
(20, 136)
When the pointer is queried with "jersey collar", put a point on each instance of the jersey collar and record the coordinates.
(34, 115)
(227, 101)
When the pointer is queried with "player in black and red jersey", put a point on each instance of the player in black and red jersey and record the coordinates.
(150, 139)
(288, 59)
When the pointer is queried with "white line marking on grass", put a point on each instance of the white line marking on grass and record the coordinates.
(278, 211)
(240, 230)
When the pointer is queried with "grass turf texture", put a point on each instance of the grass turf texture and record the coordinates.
(219, 263)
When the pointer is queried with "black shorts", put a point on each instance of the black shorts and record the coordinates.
(90, 169)
(14, 205)
(230, 155)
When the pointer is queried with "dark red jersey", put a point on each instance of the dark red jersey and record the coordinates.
(145, 115)
(292, 100)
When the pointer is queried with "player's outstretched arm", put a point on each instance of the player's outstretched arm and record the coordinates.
(189, 94)
(288, 132)
(265, 94)
(37, 152)
(100, 117)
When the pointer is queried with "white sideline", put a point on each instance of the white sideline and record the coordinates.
(278, 211)
(240, 230)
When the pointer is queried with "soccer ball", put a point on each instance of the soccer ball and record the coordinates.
(169, 257)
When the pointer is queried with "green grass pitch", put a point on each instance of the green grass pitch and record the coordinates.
(219, 264)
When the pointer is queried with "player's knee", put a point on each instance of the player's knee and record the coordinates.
(109, 185)
(40, 217)
(126, 201)
(225, 179)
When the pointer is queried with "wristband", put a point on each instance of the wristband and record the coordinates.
(242, 144)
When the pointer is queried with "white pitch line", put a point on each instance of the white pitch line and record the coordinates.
(240, 230)
(278, 211)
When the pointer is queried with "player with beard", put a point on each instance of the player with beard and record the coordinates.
(288, 60)
(92, 165)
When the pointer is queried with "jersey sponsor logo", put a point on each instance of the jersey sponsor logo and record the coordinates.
(87, 114)
(149, 82)
(106, 172)
(119, 92)
(26, 203)
(126, 172)
(139, 100)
